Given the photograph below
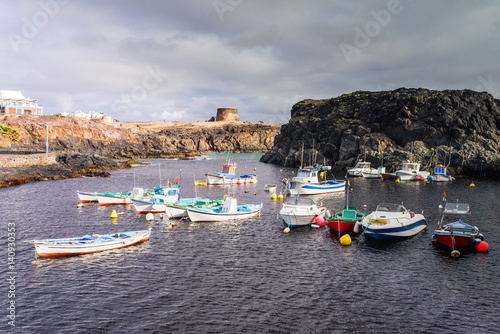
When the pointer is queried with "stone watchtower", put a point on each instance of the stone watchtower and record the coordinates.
(227, 115)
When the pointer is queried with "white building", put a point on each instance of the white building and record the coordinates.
(85, 114)
(13, 102)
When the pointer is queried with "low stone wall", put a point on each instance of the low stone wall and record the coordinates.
(14, 160)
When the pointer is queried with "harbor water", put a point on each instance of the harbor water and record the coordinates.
(248, 277)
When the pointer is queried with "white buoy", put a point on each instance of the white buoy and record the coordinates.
(80, 205)
(440, 206)
(150, 217)
(286, 230)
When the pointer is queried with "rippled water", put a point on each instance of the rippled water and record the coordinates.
(217, 277)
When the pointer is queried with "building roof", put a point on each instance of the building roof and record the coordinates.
(12, 94)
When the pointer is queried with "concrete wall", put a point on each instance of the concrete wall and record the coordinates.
(13, 160)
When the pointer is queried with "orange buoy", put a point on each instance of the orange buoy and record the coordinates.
(483, 246)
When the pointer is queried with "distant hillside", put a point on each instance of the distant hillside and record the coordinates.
(135, 140)
(459, 128)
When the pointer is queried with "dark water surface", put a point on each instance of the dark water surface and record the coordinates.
(217, 277)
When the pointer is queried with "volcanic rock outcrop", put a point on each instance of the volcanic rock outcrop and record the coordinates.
(457, 128)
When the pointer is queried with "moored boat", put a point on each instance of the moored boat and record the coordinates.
(410, 171)
(307, 183)
(452, 232)
(230, 210)
(302, 211)
(178, 209)
(345, 220)
(52, 248)
(228, 176)
(393, 221)
(270, 187)
(441, 175)
(86, 197)
(373, 173)
(156, 202)
(359, 168)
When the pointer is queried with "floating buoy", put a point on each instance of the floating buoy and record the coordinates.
(121, 214)
(472, 185)
(434, 236)
(319, 220)
(113, 214)
(273, 196)
(235, 224)
(286, 230)
(246, 191)
(345, 240)
(357, 227)
(255, 193)
(421, 178)
(440, 206)
(483, 246)
(455, 253)
(280, 196)
(398, 180)
(80, 205)
(150, 217)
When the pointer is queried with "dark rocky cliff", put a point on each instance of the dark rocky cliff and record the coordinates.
(459, 128)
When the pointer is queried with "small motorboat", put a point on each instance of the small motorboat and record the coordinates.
(52, 248)
(373, 173)
(156, 203)
(270, 187)
(393, 221)
(125, 197)
(361, 166)
(307, 183)
(302, 211)
(178, 209)
(230, 210)
(441, 175)
(452, 232)
(348, 219)
(410, 171)
(228, 176)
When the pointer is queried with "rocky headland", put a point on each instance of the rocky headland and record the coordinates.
(456, 128)
(80, 147)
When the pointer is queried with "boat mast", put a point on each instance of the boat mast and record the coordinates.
(159, 173)
(302, 156)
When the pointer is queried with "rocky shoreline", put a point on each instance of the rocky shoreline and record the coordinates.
(456, 128)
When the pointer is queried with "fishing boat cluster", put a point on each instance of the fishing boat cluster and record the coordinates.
(388, 222)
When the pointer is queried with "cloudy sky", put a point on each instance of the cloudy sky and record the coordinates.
(179, 60)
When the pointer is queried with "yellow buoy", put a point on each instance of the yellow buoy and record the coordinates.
(235, 224)
(80, 205)
(273, 196)
(255, 193)
(397, 180)
(280, 196)
(455, 253)
(345, 240)
(472, 185)
(287, 230)
(150, 217)
(246, 191)
(113, 214)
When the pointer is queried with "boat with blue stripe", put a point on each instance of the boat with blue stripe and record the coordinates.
(307, 182)
(392, 222)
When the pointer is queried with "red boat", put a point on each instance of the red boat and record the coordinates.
(345, 220)
(457, 234)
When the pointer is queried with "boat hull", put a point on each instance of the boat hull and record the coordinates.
(85, 197)
(71, 247)
(340, 226)
(200, 215)
(221, 179)
(113, 200)
(143, 206)
(404, 176)
(175, 211)
(441, 178)
(455, 241)
(316, 188)
(402, 228)
(298, 216)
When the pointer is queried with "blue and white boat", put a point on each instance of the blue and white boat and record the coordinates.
(228, 211)
(441, 175)
(156, 204)
(228, 176)
(393, 221)
(307, 183)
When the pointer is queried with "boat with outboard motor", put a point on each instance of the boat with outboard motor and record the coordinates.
(307, 183)
(393, 221)
(348, 219)
(156, 203)
(454, 233)
(441, 175)
(229, 210)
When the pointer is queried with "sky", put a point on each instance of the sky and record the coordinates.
(180, 60)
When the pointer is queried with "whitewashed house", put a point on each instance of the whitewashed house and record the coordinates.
(13, 102)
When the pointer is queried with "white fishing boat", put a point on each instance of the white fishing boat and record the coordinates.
(361, 166)
(410, 171)
(374, 173)
(157, 203)
(270, 187)
(89, 243)
(86, 197)
(178, 209)
(307, 183)
(441, 175)
(230, 210)
(228, 176)
(393, 221)
(300, 211)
